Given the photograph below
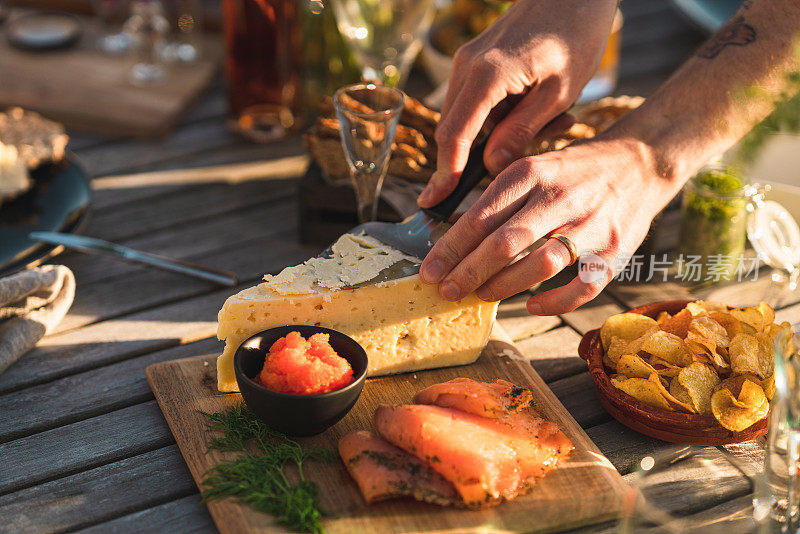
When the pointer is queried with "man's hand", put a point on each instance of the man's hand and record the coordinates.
(602, 194)
(541, 51)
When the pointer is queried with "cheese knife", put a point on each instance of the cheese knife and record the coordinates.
(415, 236)
(98, 246)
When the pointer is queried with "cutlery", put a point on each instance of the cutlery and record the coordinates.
(93, 245)
(416, 234)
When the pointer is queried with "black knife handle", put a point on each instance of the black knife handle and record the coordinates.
(474, 172)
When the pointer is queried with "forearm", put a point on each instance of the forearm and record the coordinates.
(709, 103)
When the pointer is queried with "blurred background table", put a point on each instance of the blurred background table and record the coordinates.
(83, 444)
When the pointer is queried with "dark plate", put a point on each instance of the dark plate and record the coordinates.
(58, 202)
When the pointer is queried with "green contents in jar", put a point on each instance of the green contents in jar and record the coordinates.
(713, 227)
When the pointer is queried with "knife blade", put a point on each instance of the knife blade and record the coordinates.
(92, 245)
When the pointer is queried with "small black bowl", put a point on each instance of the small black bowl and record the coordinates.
(297, 415)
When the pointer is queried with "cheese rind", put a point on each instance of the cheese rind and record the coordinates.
(403, 325)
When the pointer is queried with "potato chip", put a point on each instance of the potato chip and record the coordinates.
(699, 380)
(751, 394)
(632, 366)
(708, 328)
(744, 354)
(663, 368)
(620, 346)
(676, 404)
(678, 324)
(767, 313)
(696, 309)
(730, 415)
(697, 344)
(663, 316)
(644, 390)
(627, 326)
(766, 357)
(769, 386)
(750, 316)
(710, 306)
(677, 390)
(731, 325)
(668, 347)
(705, 351)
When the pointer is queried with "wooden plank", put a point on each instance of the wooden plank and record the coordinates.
(578, 396)
(186, 516)
(635, 294)
(115, 340)
(625, 448)
(791, 314)
(585, 484)
(747, 293)
(186, 143)
(190, 243)
(694, 485)
(112, 191)
(99, 494)
(90, 91)
(102, 390)
(194, 204)
(592, 314)
(553, 354)
(147, 288)
(183, 321)
(63, 451)
(518, 323)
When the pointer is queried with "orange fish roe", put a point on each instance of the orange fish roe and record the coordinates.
(304, 367)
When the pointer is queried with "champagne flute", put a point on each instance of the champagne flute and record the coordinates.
(368, 115)
(385, 35)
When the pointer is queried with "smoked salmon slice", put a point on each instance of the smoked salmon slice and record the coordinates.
(383, 471)
(480, 398)
(487, 460)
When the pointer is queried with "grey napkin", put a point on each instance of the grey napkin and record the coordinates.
(32, 303)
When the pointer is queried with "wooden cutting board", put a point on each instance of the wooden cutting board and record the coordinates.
(89, 91)
(585, 489)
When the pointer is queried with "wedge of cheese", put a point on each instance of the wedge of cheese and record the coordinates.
(404, 325)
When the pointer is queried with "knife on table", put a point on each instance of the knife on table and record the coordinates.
(93, 245)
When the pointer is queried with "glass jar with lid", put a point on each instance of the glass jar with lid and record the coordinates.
(713, 230)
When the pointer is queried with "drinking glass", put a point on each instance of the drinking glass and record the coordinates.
(186, 19)
(385, 35)
(776, 500)
(263, 66)
(148, 28)
(368, 115)
(671, 493)
(111, 14)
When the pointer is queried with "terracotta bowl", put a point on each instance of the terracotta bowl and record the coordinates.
(675, 427)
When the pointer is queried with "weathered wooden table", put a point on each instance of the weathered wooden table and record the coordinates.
(83, 445)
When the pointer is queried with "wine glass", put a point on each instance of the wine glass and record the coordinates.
(368, 115)
(669, 493)
(111, 13)
(385, 35)
(148, 28)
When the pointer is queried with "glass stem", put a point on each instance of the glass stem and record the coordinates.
(793, 449)
(368, 190)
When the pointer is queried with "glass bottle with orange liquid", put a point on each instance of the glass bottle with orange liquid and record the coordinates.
(263, 43)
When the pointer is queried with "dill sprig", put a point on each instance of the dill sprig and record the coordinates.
(257, 477)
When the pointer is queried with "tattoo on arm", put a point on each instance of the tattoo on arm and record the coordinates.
(735, 32)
